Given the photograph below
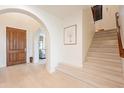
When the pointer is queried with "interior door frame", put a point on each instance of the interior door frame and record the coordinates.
(7, 45)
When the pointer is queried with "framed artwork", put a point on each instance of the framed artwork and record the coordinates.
(70, 35)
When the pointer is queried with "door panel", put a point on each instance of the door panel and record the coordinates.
(16, 45)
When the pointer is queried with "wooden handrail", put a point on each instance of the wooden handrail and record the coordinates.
(121, 50)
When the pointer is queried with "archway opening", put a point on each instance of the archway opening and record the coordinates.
(40, 47)
(42, 29)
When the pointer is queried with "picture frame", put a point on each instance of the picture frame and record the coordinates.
(70, 35)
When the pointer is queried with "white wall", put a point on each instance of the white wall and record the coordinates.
(75, 54)
(108, 21)
(88, 28)
(72, 54)
(21, 21)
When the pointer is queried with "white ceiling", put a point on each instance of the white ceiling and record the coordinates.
(61, 11)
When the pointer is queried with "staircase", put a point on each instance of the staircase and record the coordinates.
(103, 67)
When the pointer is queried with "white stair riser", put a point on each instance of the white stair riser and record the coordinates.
(102, 59)
(109, 42)
(104, 35)
(102, 32)
(99, 34)
(105, 38)
(104, 46)
(104, 50)
(100, 55)
(117, 55)
(114, 33)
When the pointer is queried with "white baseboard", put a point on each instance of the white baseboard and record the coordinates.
(2, 65)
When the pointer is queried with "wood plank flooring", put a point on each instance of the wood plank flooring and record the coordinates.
(36, 76)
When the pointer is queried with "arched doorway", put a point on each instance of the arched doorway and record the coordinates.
(40, 47)
(14, 10)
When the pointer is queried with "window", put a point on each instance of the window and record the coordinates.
(41, 42)
(97, 12)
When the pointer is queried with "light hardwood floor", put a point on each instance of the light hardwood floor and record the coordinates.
(35, 75)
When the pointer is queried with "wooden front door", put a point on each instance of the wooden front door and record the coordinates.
(16, 46)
